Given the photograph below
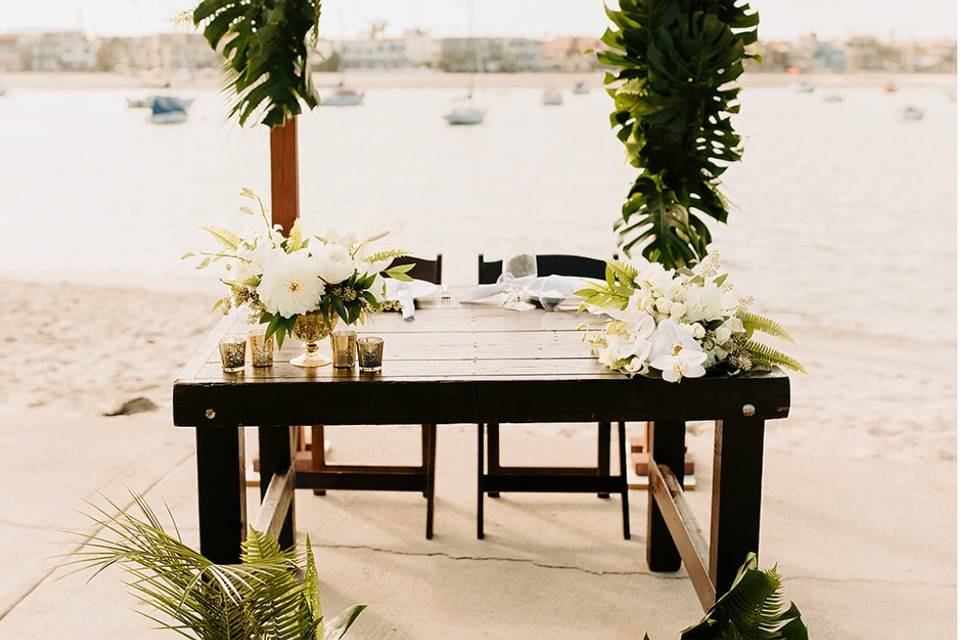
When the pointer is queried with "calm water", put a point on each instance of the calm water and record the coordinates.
(844, 214)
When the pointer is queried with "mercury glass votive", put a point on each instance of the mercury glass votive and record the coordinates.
(233, 352)
(261, 350)
(344, 347)
(370, 353)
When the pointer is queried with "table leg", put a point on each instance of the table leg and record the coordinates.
(603, 452)
(735, 508)
(480, 429)
(221, 493)
(277, 450)
(666, 447)
(493, 452)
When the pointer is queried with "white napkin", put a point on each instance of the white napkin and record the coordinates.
(507, 283)
(401, 292)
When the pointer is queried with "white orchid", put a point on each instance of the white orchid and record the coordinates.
(678, 323)
(685, 364)
(290, 285)
(676, 353)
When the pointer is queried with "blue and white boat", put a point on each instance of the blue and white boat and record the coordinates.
(168, 110)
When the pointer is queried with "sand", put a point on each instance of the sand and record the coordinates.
(867, 545)
(98, 347)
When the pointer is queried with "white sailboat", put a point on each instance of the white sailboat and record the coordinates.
(343, 97)
(465, 111)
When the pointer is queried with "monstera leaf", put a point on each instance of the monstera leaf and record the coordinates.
(265, 45)
(675, 63)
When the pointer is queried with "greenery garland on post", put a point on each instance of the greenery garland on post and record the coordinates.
(675, 63)
(266, 46)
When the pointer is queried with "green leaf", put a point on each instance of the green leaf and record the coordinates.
(338, 627)
(399, 272)
(752, 608)
(340, 309)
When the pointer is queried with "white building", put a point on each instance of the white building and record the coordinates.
(387, 53)
(58, 51)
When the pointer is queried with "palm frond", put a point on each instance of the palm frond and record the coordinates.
(262, 597)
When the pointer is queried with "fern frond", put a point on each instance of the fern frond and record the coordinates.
(228, 239)
(385, 255)
(755, 322)
(626, 271)
(768, 356)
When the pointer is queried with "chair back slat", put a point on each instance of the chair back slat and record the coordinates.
(423, 269)
(547, 265)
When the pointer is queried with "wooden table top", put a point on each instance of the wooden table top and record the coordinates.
(460, 362)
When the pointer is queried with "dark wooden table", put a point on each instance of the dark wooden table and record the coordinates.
(470, 363)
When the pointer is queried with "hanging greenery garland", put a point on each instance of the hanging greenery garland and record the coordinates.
(675, 63)
(265, 44)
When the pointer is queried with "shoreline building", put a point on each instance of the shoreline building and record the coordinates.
(569, 54)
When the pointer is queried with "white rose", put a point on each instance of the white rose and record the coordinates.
(677, 309)
(664, 305)
(334, 263)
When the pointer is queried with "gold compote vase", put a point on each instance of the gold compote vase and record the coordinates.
(311, 328)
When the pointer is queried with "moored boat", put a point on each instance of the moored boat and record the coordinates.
(913, 113)
(465, 112)
(168, 110)
(343, 97)
(552, 97)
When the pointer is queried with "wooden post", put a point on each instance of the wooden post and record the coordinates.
(284, 174)
(285, 192)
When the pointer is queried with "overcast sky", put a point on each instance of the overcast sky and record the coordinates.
(780, 19)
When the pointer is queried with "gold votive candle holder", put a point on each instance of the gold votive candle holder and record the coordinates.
(370, 353)
(261, 349)
(233, 353)
(344, 348)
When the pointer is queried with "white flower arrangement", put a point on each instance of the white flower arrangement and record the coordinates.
(282, 278)
(678, 324)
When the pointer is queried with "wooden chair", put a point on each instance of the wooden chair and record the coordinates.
(386, 478)
(551, 479)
